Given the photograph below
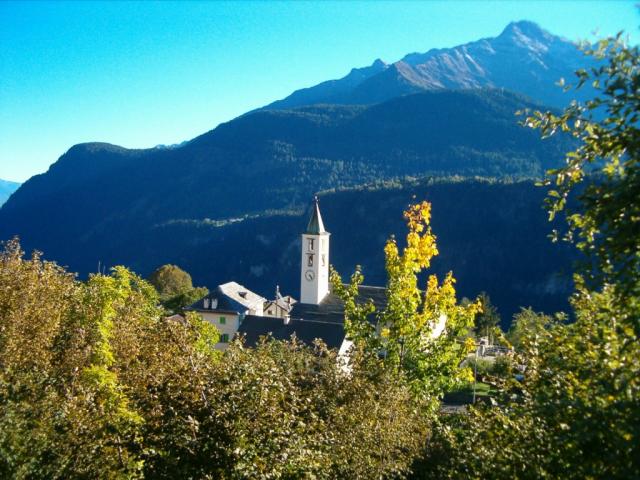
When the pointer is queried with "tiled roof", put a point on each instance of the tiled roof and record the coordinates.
(286, 303)
(229, 297)
(331, 309)
(222, 304)
(254, 327)
(241, 294)
(308, 322)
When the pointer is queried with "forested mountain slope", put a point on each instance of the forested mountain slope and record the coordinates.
(492, 234)
(97, 196)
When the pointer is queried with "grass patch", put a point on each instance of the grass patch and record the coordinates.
(464, 395)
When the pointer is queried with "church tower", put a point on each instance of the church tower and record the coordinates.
(314, 266)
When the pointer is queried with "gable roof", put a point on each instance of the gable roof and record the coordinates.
(331, 308)
(241, 295)
(230, 297)
(254, 327)
(223, 304)
(285, 303)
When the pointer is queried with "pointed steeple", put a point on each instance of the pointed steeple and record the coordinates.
(314, 261)
(315, 225)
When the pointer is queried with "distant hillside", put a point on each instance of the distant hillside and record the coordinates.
(6, 189)
(97, 195)
(524, 58)
(492, 234)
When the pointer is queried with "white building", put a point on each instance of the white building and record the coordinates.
(227, 306)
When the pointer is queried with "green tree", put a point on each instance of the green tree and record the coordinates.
(576, 412)
(408, 331)
(606, 222)
(286, 410)
(525, 326)
(175, 287)
(94, 383)
(487, 317)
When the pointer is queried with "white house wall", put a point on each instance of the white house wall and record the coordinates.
(229, 327)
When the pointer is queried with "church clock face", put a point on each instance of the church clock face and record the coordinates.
(309, 275)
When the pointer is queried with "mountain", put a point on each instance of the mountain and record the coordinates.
(98, 195)
(332, 91)
(491, 234)
(214, 204)
(6, 189)
(524, 58)
(227, 204)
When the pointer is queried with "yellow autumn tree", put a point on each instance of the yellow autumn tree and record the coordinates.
(419, 331)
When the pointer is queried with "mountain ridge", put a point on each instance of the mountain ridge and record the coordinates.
(523, 58)
(105, 203)
(7, 187)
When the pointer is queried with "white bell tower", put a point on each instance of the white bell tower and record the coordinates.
(314, 265)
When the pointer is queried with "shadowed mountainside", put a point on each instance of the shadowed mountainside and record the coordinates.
(492, 234)
(97, 195)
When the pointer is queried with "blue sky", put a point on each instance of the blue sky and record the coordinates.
(141, 74)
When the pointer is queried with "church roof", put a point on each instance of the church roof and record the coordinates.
(324, 321)
(218, 303)
(315, 225)
(286, 303)
(331, 308)
(254, 327)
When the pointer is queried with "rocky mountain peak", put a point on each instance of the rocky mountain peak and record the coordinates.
(524, 58)
(526, 33)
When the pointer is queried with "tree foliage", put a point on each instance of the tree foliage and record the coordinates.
(606, 224)
(408, 331)
(175, 287)
(574, 415)
(576, 411)
(96, 383)
(526, 326)
(487, 318)
(286, 410)
(85, 370)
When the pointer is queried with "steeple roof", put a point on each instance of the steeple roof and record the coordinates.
(315, 225)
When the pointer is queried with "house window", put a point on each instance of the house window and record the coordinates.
(310, 260)
(324, 260)
(224, 338)
(311, 244)
(223, 321)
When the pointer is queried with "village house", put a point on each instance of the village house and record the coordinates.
(227, 306)
(280, 306)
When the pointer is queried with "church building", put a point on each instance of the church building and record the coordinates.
(319, 314)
